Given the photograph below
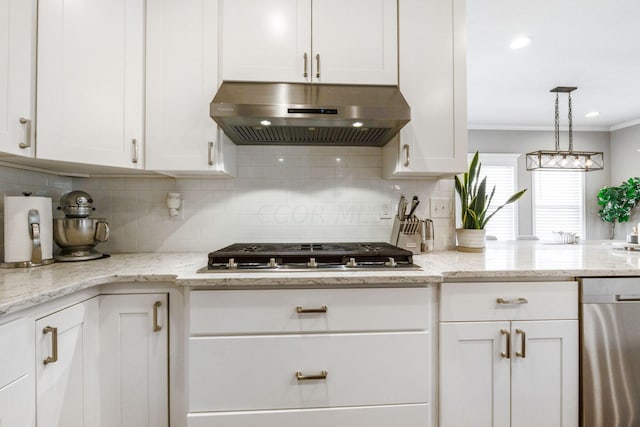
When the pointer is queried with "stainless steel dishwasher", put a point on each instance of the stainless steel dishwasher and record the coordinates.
(610, 353)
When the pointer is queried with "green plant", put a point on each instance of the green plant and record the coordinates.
(617, 202)
(474, 199)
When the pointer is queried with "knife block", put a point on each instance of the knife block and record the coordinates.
(407, 234)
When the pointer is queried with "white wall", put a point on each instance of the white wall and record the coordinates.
(499, 141)
(624, 145)
(308, 196)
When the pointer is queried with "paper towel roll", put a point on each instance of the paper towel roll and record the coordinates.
(17, 239)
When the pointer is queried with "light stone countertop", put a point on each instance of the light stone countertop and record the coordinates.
(502, 260)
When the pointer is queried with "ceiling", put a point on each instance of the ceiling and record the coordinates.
(591, 44)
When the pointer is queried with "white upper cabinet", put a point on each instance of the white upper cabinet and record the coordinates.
(298, 41)
(182, 78)
(91, 82)
(355, 41)
(267, 40)
(17, 76)
(432, 63)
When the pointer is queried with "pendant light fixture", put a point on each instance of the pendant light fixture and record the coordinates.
(581, 161)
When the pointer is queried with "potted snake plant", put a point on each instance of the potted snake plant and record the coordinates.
(475, 203)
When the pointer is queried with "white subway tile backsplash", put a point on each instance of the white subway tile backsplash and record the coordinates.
(308, 196)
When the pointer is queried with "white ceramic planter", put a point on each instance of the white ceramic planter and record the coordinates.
(470, 240)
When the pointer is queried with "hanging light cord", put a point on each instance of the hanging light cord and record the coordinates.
(570, 126)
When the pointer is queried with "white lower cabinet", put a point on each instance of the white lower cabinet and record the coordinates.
(309, 362)
(16, 404)
(17, 401)
(134, 360)
(509, 371)
(67, 366)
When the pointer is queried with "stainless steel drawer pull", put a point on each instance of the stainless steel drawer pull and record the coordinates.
(156, 326)
(627, 297)
(407, 160)
(134, 155)
(306, 59)
(27, 133)
(507, 354)
(512, 301)
(302, 377)
(54, 344)
(522, 353)
(210, 153)
(322, 309)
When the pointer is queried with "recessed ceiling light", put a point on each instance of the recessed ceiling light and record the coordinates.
(592, 114)
(520, 42)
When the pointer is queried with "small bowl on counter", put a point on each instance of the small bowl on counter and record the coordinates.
(565, 237)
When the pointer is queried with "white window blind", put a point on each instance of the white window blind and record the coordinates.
(500, 170)
(558, 203)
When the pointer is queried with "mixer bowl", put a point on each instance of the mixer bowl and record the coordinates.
(79, 235)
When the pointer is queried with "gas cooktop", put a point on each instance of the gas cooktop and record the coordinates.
(309, 257)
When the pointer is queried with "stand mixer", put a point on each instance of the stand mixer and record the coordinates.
(77, 234)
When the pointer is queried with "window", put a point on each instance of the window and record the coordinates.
(558, 203)
(500, 170)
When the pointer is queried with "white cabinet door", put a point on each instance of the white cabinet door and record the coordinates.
(474, 375)
(134, 360)
(91, 82)
(68, 384)
(544, 374)
(267, 40)
(432, 63)
(17, 404)
(355, 41)
(17, 76)
(182, 78)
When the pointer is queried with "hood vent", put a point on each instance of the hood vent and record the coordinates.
(304, 114)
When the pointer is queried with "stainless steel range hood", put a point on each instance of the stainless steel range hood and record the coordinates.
(305, 114)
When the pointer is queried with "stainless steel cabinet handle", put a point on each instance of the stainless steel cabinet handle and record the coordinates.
(522, 353)
(210, 153)
(317, 66)
(301, 377)
(156, 327)
(27, 133)
(306, 58)
(322, 309)
(54, 344)
(507, 354)
(407, 160)
(134, 157)
(514, 301)
(627, 297)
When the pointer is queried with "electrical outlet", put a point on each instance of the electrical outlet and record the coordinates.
(385, 212)
(440, 207)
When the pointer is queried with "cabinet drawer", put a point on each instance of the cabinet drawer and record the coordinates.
(275, 311)
(14, 345)
(522, 301)
(259, 372)
(385, 416)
